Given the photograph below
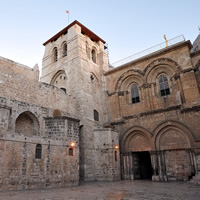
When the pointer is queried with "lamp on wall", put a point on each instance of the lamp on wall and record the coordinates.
(116, 147)
(72, 144)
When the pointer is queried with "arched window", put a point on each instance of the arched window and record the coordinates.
(64, 89)
(38, 151)
(64, 49)
(96, 115)
(164, 86)
(55, 54)
(115, 155)
(93, 54)
(71, 152)
(135, 94)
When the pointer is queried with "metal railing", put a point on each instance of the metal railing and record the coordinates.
(158, 47)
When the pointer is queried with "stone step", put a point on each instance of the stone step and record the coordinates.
(195, 179)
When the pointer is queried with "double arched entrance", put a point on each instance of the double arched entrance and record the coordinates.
(165, 154)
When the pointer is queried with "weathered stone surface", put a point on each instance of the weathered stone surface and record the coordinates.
(148, 108)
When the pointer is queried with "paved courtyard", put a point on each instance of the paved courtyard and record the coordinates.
(121, 190)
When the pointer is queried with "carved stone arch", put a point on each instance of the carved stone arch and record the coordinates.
(93, 78)
(60, 80)
(64, 48)
(136, 139)
(94, 54)
(134, 73)
(54, 51)
(27, 124)
(165, 65)
(172, 135)
(129, 80)
(197, 66)
(56, 75)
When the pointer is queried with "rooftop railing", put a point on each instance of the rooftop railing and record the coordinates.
(158, 47)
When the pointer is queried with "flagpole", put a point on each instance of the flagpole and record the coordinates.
(67, 11)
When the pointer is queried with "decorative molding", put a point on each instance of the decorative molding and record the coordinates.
(156, 62)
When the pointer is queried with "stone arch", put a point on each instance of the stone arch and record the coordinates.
(197, 66)
(127, 77)
(27, 124)
(93, 78)
(94, 55)
(158, 66)
(55, 54)
(136, 139)
(64, 49)
(172, 135)
(60, 80)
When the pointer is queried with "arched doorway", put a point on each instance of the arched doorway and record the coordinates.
(135, 155)
(174, 154)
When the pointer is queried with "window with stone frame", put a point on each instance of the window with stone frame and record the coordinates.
(64, 49)
(93, 55)
(55, 54)
(135, 98)
(115, 155)
(38, 151)
(71, 152)
(96, 115)
(164, 86)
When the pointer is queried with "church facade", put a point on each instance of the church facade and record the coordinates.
(86, 121)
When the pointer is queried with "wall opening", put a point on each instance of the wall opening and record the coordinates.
(142, 165)
(38, 151)
(27, 124)
(71, 152)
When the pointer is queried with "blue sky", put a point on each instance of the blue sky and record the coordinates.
(128, 26)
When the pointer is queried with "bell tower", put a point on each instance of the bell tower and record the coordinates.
(75, 61)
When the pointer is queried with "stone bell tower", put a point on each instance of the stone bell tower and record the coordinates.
(75, 61)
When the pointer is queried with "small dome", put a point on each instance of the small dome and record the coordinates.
(196, 45)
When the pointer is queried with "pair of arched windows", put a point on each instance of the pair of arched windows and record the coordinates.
(164, 89)
(55, 52)
(38, 151)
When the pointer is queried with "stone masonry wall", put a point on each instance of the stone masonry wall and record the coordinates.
(20, 169)
(107, 159)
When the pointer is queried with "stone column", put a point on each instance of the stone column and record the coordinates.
(161, 166)
(154, 165)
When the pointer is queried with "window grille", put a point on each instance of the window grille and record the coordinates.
(164, 86)
(135, 94)
(38, 151)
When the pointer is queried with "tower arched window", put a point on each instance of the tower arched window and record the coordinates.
(115, 155)
(64, 49)
(164, 86)
(55, 54)
(93, 54)
(96, 115)
(71, 152)
(38, 151)
(135, 98)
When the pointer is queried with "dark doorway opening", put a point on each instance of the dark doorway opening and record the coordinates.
(142, 165)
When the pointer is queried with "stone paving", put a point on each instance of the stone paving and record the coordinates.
(121, 190)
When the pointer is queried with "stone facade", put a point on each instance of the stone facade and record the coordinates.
(166, 126)
(84, 121)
